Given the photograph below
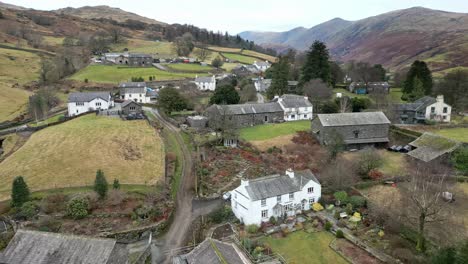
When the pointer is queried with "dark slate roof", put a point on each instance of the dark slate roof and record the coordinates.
(417, 105)
(127, 102)
(431, 146)
(262, 63)
(138, 55)
(425, 100)
(353, 119)
(132, 84)
(51, 248)
(132, 87)
(274, 185)
(205, 79)
(408, 107)
(294, 101)
(88, 96)
(242, 109)
(213, 252)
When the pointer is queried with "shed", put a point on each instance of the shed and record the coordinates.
(131, 107)
(430, 146)
(197, 121)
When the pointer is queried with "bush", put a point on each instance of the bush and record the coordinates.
(100, 184)
(221, 215)
(86, 80)
(349, 209)
(53, 203)
(48, 224)
(116, 197)
(339, 234)
(341, 197)
(460, 160)
(78, 207)
(116, 184)
(368, 160)
(375, 174)
(272, 220)
(328, 226)
(251, 229)
(337, 215)
(357, 201)
(29, 210)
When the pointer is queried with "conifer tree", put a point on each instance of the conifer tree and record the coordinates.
(100, 184)
(19, 192)
(420, 70)
(317, 65)
(116, 184)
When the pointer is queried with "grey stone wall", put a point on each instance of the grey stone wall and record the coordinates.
(217, 121)
(138, 109)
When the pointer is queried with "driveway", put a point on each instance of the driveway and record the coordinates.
(260, 98)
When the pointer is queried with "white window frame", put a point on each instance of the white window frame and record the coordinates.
(310, 190)
(264, 214)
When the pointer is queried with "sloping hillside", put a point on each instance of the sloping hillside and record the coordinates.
(103, 11)
(394, 39)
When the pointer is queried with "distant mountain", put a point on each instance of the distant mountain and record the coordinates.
(394, 39)
(10, 6)
(103, 11)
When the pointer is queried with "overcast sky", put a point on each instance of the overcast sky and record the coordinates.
(259, 15)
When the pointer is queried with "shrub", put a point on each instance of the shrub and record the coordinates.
(337, 215)
(317, 207)
(272, 220)
(78, 207)
(341, 197)
(86, 80)
(357, 201)
(116, 197)
(93, 200)
(29, 210)
(116, 184)
(251, 229)
(369, 160)
(375, 174)
(48, 224)
(339, 234)
(19, 192)
(100, 184)
(328, 226)
(53, 203)
(460, 160)
(349, 209)
(221, 215)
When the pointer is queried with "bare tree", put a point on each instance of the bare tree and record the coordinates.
(317, 91)
(202, 53)
(339, 174)
(344, 104)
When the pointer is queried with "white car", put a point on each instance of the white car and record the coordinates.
(227, 196)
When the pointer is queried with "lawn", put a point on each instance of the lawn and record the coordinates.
(223, 49)
(459, 134)
(395, 95)
(259, 55)
(162, 48)
(189, 67)
(229, 66)
(240, 58)
(115, 74)
(49, 120)
(301, 247)
(269, 131)
(393, 163)
(16, 67)
(69, 154)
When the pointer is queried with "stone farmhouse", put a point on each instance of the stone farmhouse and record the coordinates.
(262, 65)
(243, 115)
(131, 108)
(79, 103)
(255, 201)
(52, 248)
(429, 147)
(295, 107)
(370, 87)
(214, 252)
(358, 130)
(206, 83)
(135, 91)
(130, 59)
(425, 108)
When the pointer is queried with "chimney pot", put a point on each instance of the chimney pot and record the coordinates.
(290, 173)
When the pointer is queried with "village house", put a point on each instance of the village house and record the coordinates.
(206, 83)
(52, 248)
(262, 65)
(295, 107)
(429, 147)
(243, 115)
(131, 108)
(134, 91)
(213, 251)
(357, 130)
(130, 59)
(425, 108)
(79, 103)
(255, 201)
(261, 85)
(245, 70)
(370, 87)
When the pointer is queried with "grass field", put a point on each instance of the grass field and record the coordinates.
(222, 49)
(395, 95)
(228, 66)
(114, 74)
(259, 55)
(189, 67)
(49, 120)
(16, 67)
(269, 131)
(69, 154)
(54, 41)
(301, 247)
(9, 142)
(240, 58)
(162, 48)
(460, 134)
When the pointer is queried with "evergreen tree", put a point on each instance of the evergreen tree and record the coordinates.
(19, 192)
(418, 90)
(317, 64)
(116, 184)
(100, 184)
(217, 62)
(420, 70)
(279, 74)
(225, 94)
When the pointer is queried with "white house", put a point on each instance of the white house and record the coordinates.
(135, 91)
(206, 83)
(255, 201)
(261, 85)
(262, 65)
(425, 108)
(79, 103)
(295, 107)
(438, 110)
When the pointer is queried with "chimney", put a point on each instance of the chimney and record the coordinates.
(290, 173)
(244, 182)
(440, 98)
(306, 97)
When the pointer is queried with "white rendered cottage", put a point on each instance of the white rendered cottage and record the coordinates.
(206, 83)
(255, 201)
(134, 91)
(79, 103)
(295, 107)
(262, 65)
(438, 110)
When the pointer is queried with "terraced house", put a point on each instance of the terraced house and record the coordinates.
(255, 201)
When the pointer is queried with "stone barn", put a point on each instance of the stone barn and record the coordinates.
(131, 107)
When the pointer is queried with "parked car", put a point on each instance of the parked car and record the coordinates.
(227, 196)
